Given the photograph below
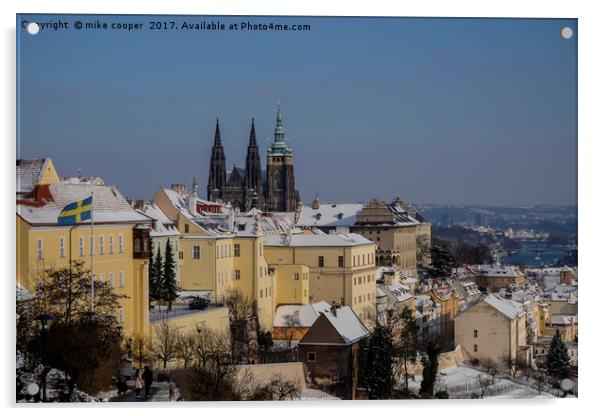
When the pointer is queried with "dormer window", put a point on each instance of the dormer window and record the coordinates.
(340, 215)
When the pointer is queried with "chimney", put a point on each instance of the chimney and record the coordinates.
(315, 204)
(139, 204)
(333, 308)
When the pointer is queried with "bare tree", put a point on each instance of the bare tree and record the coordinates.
(277, 388)
(489, 378)
(186, 347)
(212, 347)
(512, 365)
(166, 341)
(241, 311)
(142, 349)
(292, 321)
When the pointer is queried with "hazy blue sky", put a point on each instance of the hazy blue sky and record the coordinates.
(433, 110)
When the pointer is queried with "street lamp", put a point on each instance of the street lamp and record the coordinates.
(44, 322)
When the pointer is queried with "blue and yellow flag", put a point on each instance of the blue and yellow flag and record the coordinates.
(76, 212)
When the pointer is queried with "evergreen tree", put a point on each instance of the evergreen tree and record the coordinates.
(558, 362)
(407, 348)
(378, 370)
(156, 276)
(169, 284)
(430, 367)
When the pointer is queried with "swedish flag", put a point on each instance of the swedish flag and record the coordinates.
(76, 212)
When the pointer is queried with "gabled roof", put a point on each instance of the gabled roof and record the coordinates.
(163, 226)
(506, 307)
(108, 204)
(345, 324)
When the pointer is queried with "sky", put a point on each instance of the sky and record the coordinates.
(457, 111)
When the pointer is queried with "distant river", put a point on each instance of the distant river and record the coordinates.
(528, 255)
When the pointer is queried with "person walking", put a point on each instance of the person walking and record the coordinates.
(148, 380)
(138, 383)
(172, 391)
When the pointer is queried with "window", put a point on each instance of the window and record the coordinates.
(341, 261)
(136, 245)
(237, 274)
(229, 250)
(121, 279)
(321, 261)
(311, 357)
(91, 245)
(354, 281)
(181, 255)
(363, 259)
(261, 293)
(112, 279)
(40, 249)
(82, 246)
(475, 348)
(101, 277)
(296, 276)
(101, 245)
(475, 333)
(186, 228)
(196, 252)
(62, 247)
(236, 250)
(111, 244)
(334, 377)
(121, 315)
(120, 243)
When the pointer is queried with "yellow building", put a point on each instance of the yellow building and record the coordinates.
(119, 242)
(492, 330)
(341, 267)
(220, 251)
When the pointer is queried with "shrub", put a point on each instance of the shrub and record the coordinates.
(199, 303)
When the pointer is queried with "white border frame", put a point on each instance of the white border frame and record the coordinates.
(590, 68)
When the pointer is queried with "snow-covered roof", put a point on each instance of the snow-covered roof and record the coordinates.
(347, 324)
(506, 307)
(380, 271)
(304, 315)
(108, 204)
(329, 215)
(245, 224)
(563, 319)
(327, 240)
(29, 172)
(495, 270)
(163, 226)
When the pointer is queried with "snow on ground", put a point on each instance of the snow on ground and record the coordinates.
(462, 382)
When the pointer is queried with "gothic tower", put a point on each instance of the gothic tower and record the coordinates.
(217, 168)
(281, 193)
(253, 192)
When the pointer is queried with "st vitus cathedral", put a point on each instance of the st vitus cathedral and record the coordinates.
(272, 190)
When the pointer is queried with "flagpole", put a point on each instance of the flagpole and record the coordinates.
(92, 249)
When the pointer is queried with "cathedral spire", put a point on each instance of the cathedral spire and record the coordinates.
(217, 141)
(252, 138)
(279, 131)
